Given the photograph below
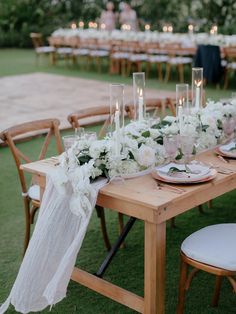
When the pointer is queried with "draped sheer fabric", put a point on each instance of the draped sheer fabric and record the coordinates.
(49, 260)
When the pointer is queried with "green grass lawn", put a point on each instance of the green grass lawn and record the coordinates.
(22, 61)
(127, 268)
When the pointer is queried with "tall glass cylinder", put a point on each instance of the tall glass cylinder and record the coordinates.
(182, 106)
(197, 88)
(117, 114)
(139, 95)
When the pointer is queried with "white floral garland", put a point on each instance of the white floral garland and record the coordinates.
(141, 146)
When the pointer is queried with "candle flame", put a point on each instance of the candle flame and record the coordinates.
(117, 106)
(181, 101)
(140, 92)
(198, 83)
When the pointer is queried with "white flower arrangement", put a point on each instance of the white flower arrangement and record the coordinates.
(141, 146)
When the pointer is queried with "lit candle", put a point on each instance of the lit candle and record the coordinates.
(81, 24)
(103, 26)
(147, 27)
(197, 94)
(140, 104)
(73, 26)
(190, 28)
(180, 115)
(117, 128)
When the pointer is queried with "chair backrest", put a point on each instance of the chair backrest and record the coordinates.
(102, 113)
(37, 39)
(48, 126)
(230, 53)
(159, 105)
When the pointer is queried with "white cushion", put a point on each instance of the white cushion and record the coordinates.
(180, 60)
(45, 49)
(99, 53)
(158, 58)
(120, 55)
(232, 66)
(64, 50)
(138, 57)
(80, 52)
(34, 192)
(214, 245)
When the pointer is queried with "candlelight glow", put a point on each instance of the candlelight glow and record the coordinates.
(147, 27)
(81, 24)
(198, 83)
(103, 26)
(73, 25)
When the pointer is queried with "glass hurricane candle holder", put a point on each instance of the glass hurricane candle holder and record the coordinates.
(182, 106)
(117, 114)
(197, 88)
(139, 95)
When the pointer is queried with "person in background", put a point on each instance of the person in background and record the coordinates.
(108, 18)
(129, 17)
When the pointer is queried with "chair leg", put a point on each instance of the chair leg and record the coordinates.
(121, 227)
(226, 79)
(216, 295)
(148, 66)
(182, 290)
(181, 73)
(233, 282)
(159, 70)
(168, 68)
(101, 215)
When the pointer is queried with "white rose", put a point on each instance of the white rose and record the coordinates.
(146, 156)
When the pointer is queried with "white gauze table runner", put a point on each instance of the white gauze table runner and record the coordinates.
(49, 260)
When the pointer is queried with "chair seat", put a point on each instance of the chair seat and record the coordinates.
(64, 51)
(157, 58)
(99, 53)
(224, 63)
(45, 49)
(81, 52)
(232, 66)
(214, 245)
(120, 55)
(34, 192)
(180, 60)
(138, 57)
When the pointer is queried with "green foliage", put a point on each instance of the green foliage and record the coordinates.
(20, 17)
(201, 13)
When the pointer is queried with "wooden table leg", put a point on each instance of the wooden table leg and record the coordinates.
(154, 272)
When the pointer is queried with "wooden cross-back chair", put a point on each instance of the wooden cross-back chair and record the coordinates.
(159, 105)
(230, 56)
(103, 114)
(40, 48)
(99, 113)
(31, 195)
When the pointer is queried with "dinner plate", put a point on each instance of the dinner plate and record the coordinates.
(211, 175)
(199, 172)
(137, 174)
(224, 150)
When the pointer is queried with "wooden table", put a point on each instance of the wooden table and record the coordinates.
(141, 199)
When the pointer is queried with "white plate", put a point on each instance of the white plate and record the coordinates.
(137, 174)
(225, 149)
(183, 177)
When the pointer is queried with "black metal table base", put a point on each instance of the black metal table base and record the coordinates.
(115, 247)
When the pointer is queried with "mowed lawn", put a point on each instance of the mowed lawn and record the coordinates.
(126, 269)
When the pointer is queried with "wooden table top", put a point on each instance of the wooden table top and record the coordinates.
(140, 197)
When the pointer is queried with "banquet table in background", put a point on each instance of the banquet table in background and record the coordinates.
(140, 198)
